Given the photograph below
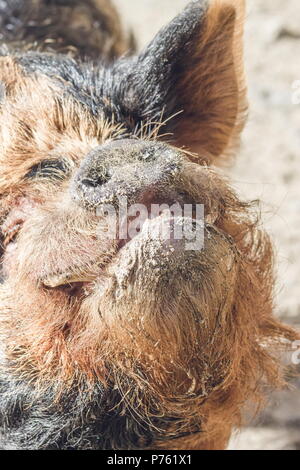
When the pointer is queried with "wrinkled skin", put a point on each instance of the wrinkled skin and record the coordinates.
(130, 342)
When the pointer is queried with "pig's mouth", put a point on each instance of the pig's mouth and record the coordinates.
(78, 278)
(83, 277)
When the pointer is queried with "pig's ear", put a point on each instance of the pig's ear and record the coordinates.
(195, 66)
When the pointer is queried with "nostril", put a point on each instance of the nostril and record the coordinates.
(95, 182)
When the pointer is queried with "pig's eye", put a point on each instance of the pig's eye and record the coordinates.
(53, 169)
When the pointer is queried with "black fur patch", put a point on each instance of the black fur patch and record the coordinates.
(81, 419)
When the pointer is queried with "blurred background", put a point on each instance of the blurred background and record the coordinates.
(267, 167)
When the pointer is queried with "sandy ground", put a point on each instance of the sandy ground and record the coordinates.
(267, 167)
